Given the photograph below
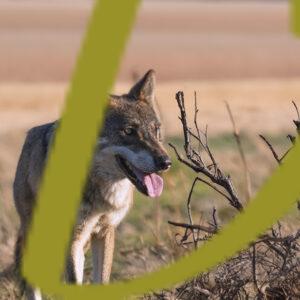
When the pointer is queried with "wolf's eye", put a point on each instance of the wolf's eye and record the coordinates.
(129, 131)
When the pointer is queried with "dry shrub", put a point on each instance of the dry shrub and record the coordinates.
(270, 268)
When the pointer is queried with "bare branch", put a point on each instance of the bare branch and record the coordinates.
(254, 269)
(215, 218)
(195, 159)
(195, 116)
(194, 227)
(272, 266)
(242, 153)
(291, 138)
(271, 148)
(297, 110)
(190, 212)
(213, 187)
(182, 160)
(297, 122)
(183, 119)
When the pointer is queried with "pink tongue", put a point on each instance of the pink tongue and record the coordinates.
(154, 184)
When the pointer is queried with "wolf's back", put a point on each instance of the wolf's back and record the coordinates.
(30, 168)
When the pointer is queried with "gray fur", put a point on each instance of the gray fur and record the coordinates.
(108, 193)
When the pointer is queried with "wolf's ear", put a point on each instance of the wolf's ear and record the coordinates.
(144, 89)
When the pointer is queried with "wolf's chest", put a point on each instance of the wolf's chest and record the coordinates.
(120, 199)
(118, 194)
(106, 205)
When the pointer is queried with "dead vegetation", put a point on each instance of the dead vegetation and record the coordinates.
(270, 268)
(10, 285)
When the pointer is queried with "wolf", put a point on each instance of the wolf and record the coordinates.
(129, 154)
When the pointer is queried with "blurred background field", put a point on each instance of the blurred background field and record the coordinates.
(238, 51)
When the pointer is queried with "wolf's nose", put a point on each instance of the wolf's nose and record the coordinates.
(164, 162)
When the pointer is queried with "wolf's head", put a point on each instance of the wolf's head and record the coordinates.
(131, 142)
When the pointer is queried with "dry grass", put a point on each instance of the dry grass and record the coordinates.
(144, 245)
(212, 41)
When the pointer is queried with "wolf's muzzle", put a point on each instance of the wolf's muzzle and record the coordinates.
(163, 162)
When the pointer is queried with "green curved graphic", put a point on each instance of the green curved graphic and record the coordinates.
(96, 69)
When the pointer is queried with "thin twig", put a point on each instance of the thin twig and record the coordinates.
(196, 116)
(242, 154)
(254, 269)
(194, 227)
(183, 119)
(181, 159)
(271, 148)
(297, 110)
(213, 187)
(297, 122)
(190, 212)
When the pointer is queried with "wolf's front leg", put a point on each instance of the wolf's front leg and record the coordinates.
(75, 264)
(102, 252)
(32, 294)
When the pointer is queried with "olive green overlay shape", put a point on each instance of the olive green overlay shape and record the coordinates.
(295, 16)
(67, 168)
(69, 162)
